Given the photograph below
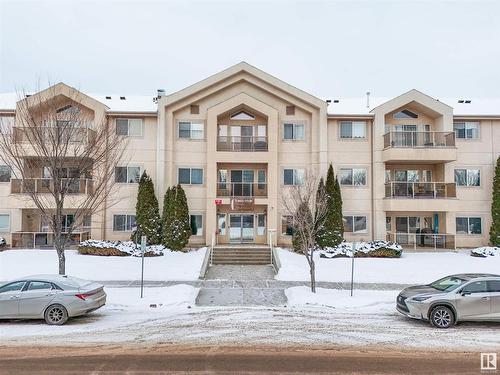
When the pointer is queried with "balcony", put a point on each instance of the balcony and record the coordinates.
(76, 135)
(33, 240)
(420, 190)
(241, 189)
(423, 241)
(45, 185)
(427, 146)
(242, 144)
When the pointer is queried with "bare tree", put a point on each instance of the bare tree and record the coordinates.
(72, 148)
(306, 205)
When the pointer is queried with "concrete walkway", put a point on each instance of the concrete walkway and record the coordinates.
(228, 285)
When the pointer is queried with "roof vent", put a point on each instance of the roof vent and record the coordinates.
(108, 97)
(467, 102)
(28, 95)
(461, 101)
(161, 92)
(328, 101)
(122, 98)
(336, 100)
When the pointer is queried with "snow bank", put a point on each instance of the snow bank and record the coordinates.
(127, 247)
(154, 298)
(173, 265)
(366, 300)
(485, 251)
(372, 248)
(411, 268)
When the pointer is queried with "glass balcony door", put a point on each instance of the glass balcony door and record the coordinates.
(242, 182)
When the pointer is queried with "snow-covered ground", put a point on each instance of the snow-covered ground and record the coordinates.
(367, 319)
(410, 268)
(171, 266)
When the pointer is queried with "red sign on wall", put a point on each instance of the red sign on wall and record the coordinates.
(218, 202)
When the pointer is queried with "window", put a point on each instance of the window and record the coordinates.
(355, 224)
(293, 132)
(468, 225)
(128, 175)
(261, 178)
(352, 129)
(290, 110)
(405, 114)
(4, 222)
(195, 109)
(4, 173)
(131, 127)
(293, 176)
(388, 223)
(39, 285)
(221, 224)
(123, 223)
(494, 286)
(190, 176)
(191, 130)
(87, 222)
(261, 224)
(12, 287)
(196, 225)
(353, 176)
(466, 130)
(287, 225)
(475, 287)
(467, 177)
(6, 124)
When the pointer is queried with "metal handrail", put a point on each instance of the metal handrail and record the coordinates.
(415, 139)
(241, 189)
(433, 240)
(242, 143)
(416, 190)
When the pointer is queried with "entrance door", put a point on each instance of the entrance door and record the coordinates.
(241, 228)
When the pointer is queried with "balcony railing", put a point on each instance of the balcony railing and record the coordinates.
(423, 240)
(411, 139)
(242, 144)
(76, 135)
(46, 185)
(423, 190)
(241, 189)
(34, 240)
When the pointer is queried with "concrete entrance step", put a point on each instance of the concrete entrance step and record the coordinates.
(241, 254)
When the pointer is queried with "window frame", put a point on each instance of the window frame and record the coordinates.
(469, 232)
(352, 122)
(467, 171)
(190, 122)
(465, 129)
(7, 228)
(199, 230)
(191, 176)
(128, 175)
(9, 170)
(352, 184)
(128, 225)
(353, 221)
(289, 222)
(128, 119)
(294, 176)
(294, 131)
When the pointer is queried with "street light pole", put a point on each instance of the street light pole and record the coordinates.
(354, 247)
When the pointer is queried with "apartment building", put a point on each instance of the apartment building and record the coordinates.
(414, 169)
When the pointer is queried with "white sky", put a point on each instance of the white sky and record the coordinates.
(328, 48)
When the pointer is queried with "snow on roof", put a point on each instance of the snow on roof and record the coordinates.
(461, 106)
(8, 101)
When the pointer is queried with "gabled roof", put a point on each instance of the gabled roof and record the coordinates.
(250, 69)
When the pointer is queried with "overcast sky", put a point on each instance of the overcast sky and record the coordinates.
(328, 48)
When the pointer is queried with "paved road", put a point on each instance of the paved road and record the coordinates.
(229, 360)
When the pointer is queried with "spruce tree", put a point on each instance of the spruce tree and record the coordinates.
(147, 213)
(176, 224)
(333, 230)
(321, 233)
(495, 208)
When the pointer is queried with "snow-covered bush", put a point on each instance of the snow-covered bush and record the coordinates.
(372, 249)
(483, 252)
(118, 248)
(3, 243)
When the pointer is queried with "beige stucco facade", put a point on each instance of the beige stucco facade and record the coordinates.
(231, 127)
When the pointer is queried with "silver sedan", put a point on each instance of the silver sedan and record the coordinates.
(54, 298)
(452, 299)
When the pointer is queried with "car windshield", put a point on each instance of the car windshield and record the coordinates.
(448, 283)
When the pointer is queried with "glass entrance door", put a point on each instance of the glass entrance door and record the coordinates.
(241, 228)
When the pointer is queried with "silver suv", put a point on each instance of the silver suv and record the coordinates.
(452, 299)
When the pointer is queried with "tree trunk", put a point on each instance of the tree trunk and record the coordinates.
(62, 259)
(313, 275)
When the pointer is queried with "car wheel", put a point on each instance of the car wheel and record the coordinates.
(56, 315)
(442, 317)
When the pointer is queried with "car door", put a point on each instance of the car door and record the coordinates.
(473, 301)
(35, 298)
(9, 299)
(494, 290)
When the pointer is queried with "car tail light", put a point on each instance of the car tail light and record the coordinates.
(84, 296)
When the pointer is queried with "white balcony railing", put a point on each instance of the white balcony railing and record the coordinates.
(414, 139)
(45, 185)
(420, 190)
(423, 240)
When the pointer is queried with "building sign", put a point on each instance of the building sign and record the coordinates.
(218, 202)
(242, 204)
